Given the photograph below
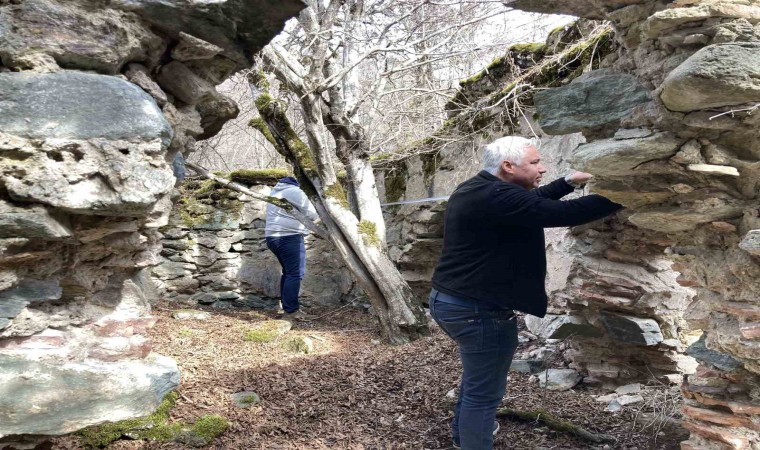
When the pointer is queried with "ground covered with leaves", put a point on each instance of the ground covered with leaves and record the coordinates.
(354, 392)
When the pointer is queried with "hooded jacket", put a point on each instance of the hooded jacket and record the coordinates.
(279, 222)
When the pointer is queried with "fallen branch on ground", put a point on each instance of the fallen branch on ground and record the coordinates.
(279, 202)
(554, 423)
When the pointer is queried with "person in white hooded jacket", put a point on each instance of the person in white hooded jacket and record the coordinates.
(285, 238)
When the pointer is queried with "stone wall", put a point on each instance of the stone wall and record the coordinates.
(95, 102)
(665, 123)
(214, 253)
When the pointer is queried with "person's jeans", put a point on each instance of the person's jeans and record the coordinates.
(291, 253)
(487, 340)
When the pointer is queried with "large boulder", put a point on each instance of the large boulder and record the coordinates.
(75, 35)
(592, 100)
(239, 27)
(76, 105)
(60, 399)
(714, 76)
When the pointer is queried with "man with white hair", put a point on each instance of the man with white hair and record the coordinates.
(493, 263)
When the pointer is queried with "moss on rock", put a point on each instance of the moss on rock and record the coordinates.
(154, 426)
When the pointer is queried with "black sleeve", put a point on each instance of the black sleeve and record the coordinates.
(517, 206)
(554, 190)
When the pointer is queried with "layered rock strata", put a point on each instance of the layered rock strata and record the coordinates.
(667, 123)
(214, 254)
(95, 101)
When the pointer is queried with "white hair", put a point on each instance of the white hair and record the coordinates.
(510, 148)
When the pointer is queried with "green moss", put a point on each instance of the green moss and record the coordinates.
(259, 124)
(210, 426)
(154, 426)
(252, 177)
(185, 332)
(336, 191)
(368, 230)
(395, 181)
(532, 47)
(260, 335)
(296, 344)
(249, 399)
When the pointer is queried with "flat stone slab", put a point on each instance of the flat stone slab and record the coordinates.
(623, 154)
(591, 100)
(561, 326)
(631, 329)
(60, 399)
(190, 314)
(722, 361)
(633, 388)
(77, 105)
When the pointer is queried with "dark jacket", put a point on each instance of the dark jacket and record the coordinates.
(493, 243)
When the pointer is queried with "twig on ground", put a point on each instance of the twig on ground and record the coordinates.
(554, 423)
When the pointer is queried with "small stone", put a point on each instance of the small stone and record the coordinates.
(300, 344)
(673, 378)
(204, 298)
(245, 399)
(713, 169)
(723, 227)
(526, 365)
(696, 39)
(606, 398)
(188, 314)
(558, 379)
(633, 388)
(613, 406)
(689, 153)
(624, 400)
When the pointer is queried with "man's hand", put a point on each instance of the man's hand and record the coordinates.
(578, 179)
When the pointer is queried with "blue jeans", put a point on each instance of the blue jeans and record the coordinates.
(487, 339)
(291, 253)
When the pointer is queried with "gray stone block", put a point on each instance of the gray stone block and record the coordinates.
(631, 329)
(78, 105)
(593, 100)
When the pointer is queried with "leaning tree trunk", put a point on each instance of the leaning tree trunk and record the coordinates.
(359, 242)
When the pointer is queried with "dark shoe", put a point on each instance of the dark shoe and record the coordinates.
(496, 427)
(298, 315)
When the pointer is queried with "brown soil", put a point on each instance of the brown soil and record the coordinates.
(354, 392)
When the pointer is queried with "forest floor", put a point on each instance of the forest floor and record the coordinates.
(354, 392)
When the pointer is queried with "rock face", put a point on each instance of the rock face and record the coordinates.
(590, 101)
(717, 75)
(87, 132)
(215, 254)
(681, 261)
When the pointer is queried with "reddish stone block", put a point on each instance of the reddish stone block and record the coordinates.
(729, 437)
(126, 327)
(739, 309)
(720, 418)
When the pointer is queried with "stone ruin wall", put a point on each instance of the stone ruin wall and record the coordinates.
(634, 293)
(95, 102)
(214, 254)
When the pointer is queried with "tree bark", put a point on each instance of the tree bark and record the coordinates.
(358, 241)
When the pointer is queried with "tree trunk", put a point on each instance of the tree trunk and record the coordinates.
(358, 242)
